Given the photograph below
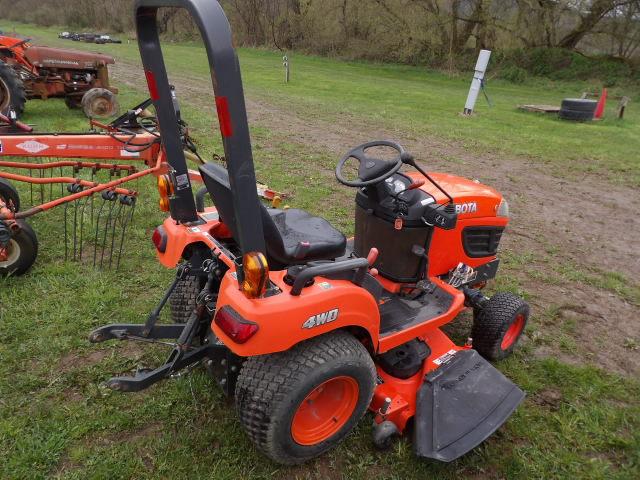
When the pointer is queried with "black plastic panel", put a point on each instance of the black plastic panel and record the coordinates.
(481, 241)
(460, 405)
(398, 313)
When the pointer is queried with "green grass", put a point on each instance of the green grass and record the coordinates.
(56, 421)
(422, 103)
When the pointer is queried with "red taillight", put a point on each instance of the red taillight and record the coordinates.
(224, 117)
(159, 239)
(236, 327)
(153, 86)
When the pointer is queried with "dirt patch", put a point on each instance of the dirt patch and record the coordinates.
(587, 221)
(548, 397)
(65, 465)
(127, 436)
(76, 361)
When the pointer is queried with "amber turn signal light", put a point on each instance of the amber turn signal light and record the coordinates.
(165, 189)
(256, 274)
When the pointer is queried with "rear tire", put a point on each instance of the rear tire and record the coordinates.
(183, 298)
(12, 94)
(296, 405)
(99, 103)
(21, 252)
(498, 326)
(9, 196)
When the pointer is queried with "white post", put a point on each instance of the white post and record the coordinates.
(285, 64)
(476, 83)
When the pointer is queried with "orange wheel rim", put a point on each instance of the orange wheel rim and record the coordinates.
(325, 410)
(513, 332)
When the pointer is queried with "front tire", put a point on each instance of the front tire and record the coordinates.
(296, 405)
(21, 252)
(498, 326)
(99, 103)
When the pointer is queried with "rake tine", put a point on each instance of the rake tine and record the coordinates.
(117, 219)
(75, 226)
(41, 187)
(95, 241)
(84, 206)
(106, 229)
(128, 221)
(93, 174)
(31, 184)
(66, 235)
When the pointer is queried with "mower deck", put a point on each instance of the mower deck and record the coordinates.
(460, 405)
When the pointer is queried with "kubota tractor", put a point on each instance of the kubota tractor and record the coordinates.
(29, 71)
(309, 330)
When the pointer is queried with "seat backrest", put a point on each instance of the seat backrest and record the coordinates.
(216, 179)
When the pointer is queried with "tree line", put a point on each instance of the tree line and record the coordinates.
(407, 31)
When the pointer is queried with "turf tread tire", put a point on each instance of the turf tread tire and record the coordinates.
(492, 322)
(183, 299)
(17, 94)
(269, 386)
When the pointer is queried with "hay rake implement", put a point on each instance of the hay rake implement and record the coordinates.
(88, 175)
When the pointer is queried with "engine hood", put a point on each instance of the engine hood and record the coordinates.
(472, 198)
(48, 57)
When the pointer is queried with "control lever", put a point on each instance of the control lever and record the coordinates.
(441, 216)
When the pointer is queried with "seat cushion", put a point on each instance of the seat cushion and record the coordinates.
(301, 237)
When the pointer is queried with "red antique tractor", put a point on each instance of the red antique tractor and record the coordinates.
(29, 71)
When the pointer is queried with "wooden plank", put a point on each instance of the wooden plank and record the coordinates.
(540, 108)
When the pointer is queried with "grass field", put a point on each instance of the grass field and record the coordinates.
(56, 421)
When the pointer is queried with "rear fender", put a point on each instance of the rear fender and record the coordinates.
(285, 320)
(177, 237)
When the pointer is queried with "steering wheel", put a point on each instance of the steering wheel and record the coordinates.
(370, 170)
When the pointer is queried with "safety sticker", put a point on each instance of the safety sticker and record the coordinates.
(444, 358)
(32, 146)
(182, 181)
(127, 153)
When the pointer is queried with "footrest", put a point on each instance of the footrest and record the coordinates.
(460, 405)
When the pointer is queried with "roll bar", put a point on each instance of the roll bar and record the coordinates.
(232, 115)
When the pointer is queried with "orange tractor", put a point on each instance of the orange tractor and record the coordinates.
(307, 329)
(29, 71)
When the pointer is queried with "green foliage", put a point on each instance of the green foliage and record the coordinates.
(514, 74)
(561, 64)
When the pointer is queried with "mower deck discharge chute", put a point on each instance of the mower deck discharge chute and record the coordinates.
(306, 329)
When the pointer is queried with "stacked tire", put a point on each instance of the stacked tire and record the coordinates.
(577, 109)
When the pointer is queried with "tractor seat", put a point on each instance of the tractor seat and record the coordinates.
(291, 236)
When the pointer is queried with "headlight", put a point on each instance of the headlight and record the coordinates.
(503, 209)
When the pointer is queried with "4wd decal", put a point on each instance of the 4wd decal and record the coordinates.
(32, 146)
(321, 319)
(469, 207)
